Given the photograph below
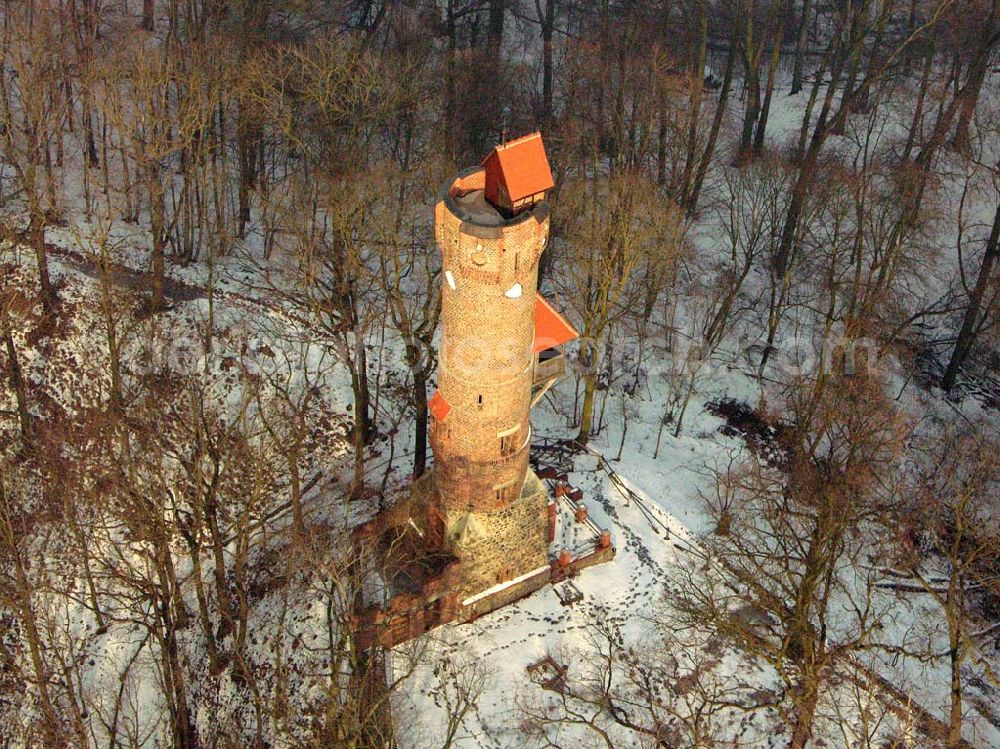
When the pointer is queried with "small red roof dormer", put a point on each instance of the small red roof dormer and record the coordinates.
(518, 174)
(551, 328)
(439, 407)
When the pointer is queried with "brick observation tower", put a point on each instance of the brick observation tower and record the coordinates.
(480, 529)
(497, 355)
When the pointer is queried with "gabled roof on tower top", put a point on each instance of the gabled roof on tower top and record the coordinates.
(551, 328)
(523, 165)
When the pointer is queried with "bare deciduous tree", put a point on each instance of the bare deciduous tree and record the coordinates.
(610, 227)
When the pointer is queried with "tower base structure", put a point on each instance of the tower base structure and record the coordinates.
(443, 567)
(503, 544)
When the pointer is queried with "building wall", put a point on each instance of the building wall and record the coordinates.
(492, 521)
(502, 544)
(485, 362)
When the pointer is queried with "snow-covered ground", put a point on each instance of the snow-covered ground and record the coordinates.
(631, 596)
(625, 612)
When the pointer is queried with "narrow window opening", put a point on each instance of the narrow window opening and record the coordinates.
(507, 445)
(504, 492)
(508, 441)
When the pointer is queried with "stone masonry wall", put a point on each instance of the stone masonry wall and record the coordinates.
(501, 545)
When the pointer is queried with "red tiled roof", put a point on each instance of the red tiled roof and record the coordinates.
(524, 165)
(551, 328)
(439, 407)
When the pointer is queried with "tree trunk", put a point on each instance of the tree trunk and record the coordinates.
(173, 674)
(968, 332)
(494, 27)
(861, 100)
(362, 392)
(691, 199)
(751, 82)
(800, 47)
(420, 409)
(52, 726)
(969, 99)
(248, 144)
(587, 413)
(295, 484)
(148, 14)
(750, 114)
(548, 25)
(359, 432)
(450, 103)
(114, 349)
(966, 96)
(219, 568)
(805, 711)
(358, 487)
(157, 224)
(203, 612)
(36, 233)
(697, 86)
(17, 380)
(772, 71)
(955, 709)
(918, 109)
(90, 145)
(838, 123)
(806, 172)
